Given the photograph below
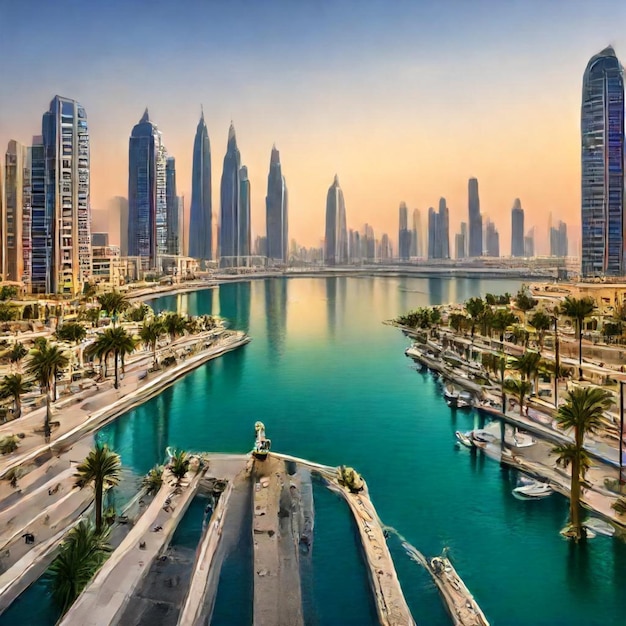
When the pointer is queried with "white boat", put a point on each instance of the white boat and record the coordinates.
(481, 438)
(522, 440)
(532, 490)
(599, 527)
(465, 439)
(465, 400)
(451, 396)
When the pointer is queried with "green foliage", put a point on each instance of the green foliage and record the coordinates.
(501, 320)
(619, 505)
(9, 444)
(138, 313)
(527, 364)
(72, 332)
(612, 329)
(115, 341)
(8, 292)
(457, 321)
(493, 300)
(524, 300)
(8, 312)
(519, 388)
(83, 552)
(113, 303)
(420, 318)
(153, 480)
(583, 410)
(14, 386)
(179, 464)
(17, 352)
(149, 334)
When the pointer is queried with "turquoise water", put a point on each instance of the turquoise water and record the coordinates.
(332, 384)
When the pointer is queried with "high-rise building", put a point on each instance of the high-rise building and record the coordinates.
(443, 235)
(475, 245)
(276, 208)
(119, 206)
(385, 253)
(459, 246)
(230, 207)
(201, 216)
(529, 243)
(41, 233)
(416, 235)
(16, 212)
(67, 209)
(492, 239)
(433, 234)
(368, 243)
(602, 156)
(558, 240)
(465, 234)
(244, 213)
(404, 235)
(147, 193)
(99, 240)
(517, 229)
(171, 203)
(336, 241)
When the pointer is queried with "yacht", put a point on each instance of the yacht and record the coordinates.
(531, 489)
(481, 438)
(465, 439)
(465, 400)
(451, 396)
(599, 527)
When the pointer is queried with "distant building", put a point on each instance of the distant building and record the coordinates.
(121, 204)
(404, 235)
(260, 246)
(385, 253)
(459, 246)
(517, 229)
(245, 233)
(100, 239)
(368, 243)
(231, 235)
(529, 243)
(465, 234)
(602, 157)
(443, 234)
(201, 214)
(276, 211)
(475, 245)
(171, 203)
(558, 240)
(492, 239)
(336, 241)
(433, 234)
(416, 235)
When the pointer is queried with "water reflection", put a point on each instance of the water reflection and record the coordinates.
(234, 300)
(331, 305)
(276, 315)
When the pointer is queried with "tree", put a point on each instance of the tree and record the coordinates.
(150, 333)
(612, 329)
(8, 312)
(541, 322)
(15, 386)
(114, 341)
(101, 468)
(474, 308)
(519, 388)
(174, 325)
(153, 480)
(524, 301)
(528, 365)
(179, 464)
(17, 352)
(82, 553)
(582, 412)
(45, 363)
(457, 321)
(138, 313)
(578, 309)
(89, 291)
(113, 303)
(72, 332)
(502, 319)
(8, 292)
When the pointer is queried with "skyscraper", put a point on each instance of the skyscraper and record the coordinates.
(517, 229)
(492, 239)
(465, 234)
(67, 209)
(244, 245)
(433, 234)
(602, 156)
(276, 211)
(147, 204)
(229, 202)
(201, 217)
(558, 240)
(16, 237)
(529, 243)
(475, 246)
(404, 235)
(121, 205)
(443, 235)
(416, 234)
(459, 246)
(336, 241)
(173, 234)
(41, 235)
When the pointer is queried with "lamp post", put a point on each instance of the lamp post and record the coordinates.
(557, 366)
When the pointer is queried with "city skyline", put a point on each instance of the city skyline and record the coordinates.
(320, 71)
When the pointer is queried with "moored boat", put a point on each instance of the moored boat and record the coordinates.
(599, 527)
(465, 439)
(262, 444)
(451, 396)
(465, 400)
(532, 490)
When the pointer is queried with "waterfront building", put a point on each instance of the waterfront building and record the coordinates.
(416, 235)
(147, 194)
(443, 235)
(67, 215)
(119, 206)
(558, 240)
(602, 160)
(171, 203)
(475, 244)
(336, 241)
(433, 232)
(107, 266)
(404, 235)
(529, 243)
(41, 236)
(517, 229)
(230, 206)
(99, 239)
(260, 246)
(244, 213)
(492, 239)
(16, 214)
(276, 211)
(459, 246)
(201, 216)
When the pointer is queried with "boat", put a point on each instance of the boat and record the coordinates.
(451, 396)
(465, 439)
(522, 440)
(481, 438)
(531, 489)
(262, 444)
(599, 527)
(465, 400)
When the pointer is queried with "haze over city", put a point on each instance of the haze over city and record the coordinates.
(402, 102)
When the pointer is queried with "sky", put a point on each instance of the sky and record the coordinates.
(404, 101)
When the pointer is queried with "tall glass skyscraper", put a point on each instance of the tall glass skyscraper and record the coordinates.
(475, 247)
(404, 235)
(517, 229)
(147, 193)
(244, 235)
(41, 233)
(336, 241)
(201, 216)
(173, 235)
(276, 208)
(602, 152)
(443, 242)
(67, 209)
(229, 202)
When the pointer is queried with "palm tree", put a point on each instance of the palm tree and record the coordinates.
(174, 325)
(138, 313)
(524, 301)
(519, 388)
(15, 386)
(474, 308)
(582, 412)
(114, 341)
(102, 467)
(83, 552)
(153, 480)
(528, 365)
(578, 309)
(45, 363)
(541, 322)
(179, 464)
(502, 319)
(72, 332)
(17, 352)
(113, 303)
(150, 333)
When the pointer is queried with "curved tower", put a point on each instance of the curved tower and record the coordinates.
(201, 215)
(602, 156)
(276, 210)
(229, 199)
(517, 229)
(336, 242)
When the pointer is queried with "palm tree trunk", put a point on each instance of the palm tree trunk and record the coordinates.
(46, 424)
(98, 488)
(574, 500)
(115, 358)
(580, 350)
(154, 354)
(18, 406)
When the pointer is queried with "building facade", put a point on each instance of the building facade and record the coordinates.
(492, 239)
(201, 215)
(475, 243)
(443, 242)
(171, 202)
(602, 160)
(276, 211)
(404, 234)
(517, 229)
(245, 234)
(230, 206)
(558, 240)
(336, 240)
